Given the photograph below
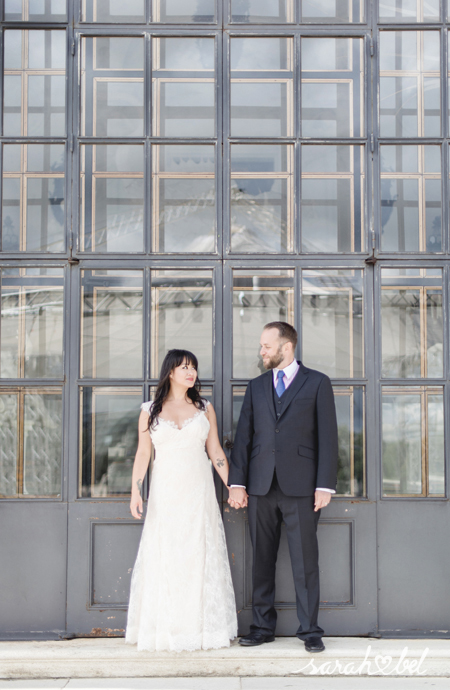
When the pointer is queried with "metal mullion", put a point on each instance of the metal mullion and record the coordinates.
(218, 147)
(146, 323)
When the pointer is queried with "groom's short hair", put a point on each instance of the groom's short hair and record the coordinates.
(285, 331)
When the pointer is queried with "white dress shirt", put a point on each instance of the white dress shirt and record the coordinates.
(290, 372)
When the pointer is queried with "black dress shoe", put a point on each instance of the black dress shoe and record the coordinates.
(255, 638)
(314, 644)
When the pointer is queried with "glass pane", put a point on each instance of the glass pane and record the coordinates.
(332, 11)
(112, 198)
(332, 322)
(262, 198)
(332, 87)
(351, 476)
(184, 11)
(109, 438)
(262, 87)
(409, 84)
(412, 325)
(411, 212)
(332, 200)
(184, 198)
(34, 93)
(262, 11)
(350, 417)
(33, 197)
(183, 87)
(436, 444)
(259, 297)
(112, 86)
(413, 441)
(35, 10)
(9, 444)
(111, 324)
(31, 448)
(31, 330)
(113, 11)
(409, 10)
(182, 317)
(42, 439)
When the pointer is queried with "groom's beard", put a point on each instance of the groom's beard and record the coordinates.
(274, 361)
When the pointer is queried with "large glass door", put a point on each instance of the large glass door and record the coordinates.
(326, 306)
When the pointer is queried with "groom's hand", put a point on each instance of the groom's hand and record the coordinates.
(321, 499)
(238, 497)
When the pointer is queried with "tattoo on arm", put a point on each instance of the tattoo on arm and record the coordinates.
(220, 462)
(139, 484)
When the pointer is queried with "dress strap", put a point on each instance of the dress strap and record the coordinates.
(147, 406)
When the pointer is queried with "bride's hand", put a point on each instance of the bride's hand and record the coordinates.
(136, 506)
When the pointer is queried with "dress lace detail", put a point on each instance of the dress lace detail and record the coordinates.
(181, 595)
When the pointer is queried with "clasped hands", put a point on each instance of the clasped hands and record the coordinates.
(238, 497)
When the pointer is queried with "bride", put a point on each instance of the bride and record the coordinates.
(181, 595)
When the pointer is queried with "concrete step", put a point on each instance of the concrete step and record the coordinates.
(112, 658)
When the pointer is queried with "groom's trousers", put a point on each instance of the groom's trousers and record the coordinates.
(265, 515)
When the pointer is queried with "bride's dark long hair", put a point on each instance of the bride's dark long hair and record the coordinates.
(173, 359)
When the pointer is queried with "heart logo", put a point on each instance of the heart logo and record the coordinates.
(383, 662)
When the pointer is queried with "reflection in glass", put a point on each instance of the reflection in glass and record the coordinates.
(349, 401)
(259, 297)
(409, 10)
(332, 11)
(332, 87)
(413, 441)
(112, 198)
(183, 87)
(409, 84)
(113, 11)
(332, 200)
(109, 437)
(262, 11)
(9, 444)
(261, 87)
(332, 322)
(411, 321)
(182, 317)
(184, 11)
(31, 443)
(184, 198)
(35, 10)
(112, 86)
(31, 332)
(262, 198)
(411, 213)
(111, 324)
(350, 412)
(34, 83)
(33, 197)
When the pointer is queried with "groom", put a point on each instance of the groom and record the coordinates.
(285, 457)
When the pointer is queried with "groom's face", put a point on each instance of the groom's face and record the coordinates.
(271, 348)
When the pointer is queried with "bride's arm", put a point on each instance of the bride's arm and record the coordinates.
(141, 460)
(214, 448)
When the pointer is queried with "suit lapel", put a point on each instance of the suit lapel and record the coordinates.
(294, 388)
(268, 386)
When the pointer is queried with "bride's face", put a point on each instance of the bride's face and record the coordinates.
(184, 375)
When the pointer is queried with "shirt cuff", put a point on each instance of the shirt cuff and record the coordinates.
(332, 491)
(236, 486)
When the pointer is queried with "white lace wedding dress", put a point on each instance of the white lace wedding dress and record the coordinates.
(181, 595)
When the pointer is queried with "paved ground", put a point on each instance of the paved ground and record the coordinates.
(230, 684)
(108, 663)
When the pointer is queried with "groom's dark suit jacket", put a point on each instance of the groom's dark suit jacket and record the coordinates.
(296, 435)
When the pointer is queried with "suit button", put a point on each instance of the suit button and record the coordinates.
(277, 431)
(273, 450)
(279, 402)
